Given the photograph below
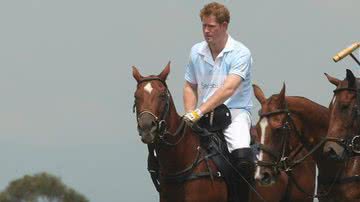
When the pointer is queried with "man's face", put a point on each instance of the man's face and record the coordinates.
(212, 30)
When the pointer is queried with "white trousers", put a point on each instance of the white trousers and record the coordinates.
(237, 135)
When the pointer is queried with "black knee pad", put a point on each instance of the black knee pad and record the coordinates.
(243, 159)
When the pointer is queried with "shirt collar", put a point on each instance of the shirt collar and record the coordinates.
(205, 50)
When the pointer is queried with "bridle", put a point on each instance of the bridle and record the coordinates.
(351, 143)
(281, 161)
(160, 121)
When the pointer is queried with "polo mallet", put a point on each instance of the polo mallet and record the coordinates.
(340, 55)
(347, 51)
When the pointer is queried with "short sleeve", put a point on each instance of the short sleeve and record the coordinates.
(241, 64)
(190, 71)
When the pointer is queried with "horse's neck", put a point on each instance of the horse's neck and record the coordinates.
(178, 157)
(352, 167)
(314, 118)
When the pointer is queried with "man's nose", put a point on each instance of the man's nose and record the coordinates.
(206, 29)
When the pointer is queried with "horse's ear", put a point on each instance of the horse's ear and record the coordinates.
(350, 77)
(136, 74)
(259, 94)
(282, 95)
(332, 80)
(163, 75)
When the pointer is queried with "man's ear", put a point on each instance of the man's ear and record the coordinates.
(225, 25)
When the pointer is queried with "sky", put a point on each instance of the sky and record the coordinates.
(67, 89)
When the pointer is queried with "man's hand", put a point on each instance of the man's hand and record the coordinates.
(193, 116)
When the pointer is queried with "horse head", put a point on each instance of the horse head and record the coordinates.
(152, 103)
(270, 128)
(344, 118)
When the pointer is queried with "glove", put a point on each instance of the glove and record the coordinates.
(193, 116)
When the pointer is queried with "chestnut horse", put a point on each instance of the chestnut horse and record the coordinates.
(186, 173)
(343, 136)
(291, 130)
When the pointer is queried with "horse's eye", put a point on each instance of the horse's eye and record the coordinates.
(162, 95)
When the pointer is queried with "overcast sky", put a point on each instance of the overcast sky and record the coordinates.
(67, 90)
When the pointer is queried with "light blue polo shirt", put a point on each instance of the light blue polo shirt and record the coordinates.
(209, 75)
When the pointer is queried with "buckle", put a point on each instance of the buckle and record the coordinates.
(284, 164)
(355, 144)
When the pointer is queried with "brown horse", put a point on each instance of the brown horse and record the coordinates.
(185, 173)
(290, 130)
(344, 137)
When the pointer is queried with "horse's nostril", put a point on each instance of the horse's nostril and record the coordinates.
(332, 153)
(266, 179)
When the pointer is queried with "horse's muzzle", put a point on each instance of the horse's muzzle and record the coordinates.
(147, 128)
(148, 136)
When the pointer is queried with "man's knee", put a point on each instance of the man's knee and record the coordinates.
(243, 160)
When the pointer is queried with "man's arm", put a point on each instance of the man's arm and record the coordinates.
(190, 96)
(231, 83)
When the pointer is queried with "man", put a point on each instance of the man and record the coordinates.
(219, 72)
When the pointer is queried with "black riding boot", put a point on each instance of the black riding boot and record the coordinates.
(243, 160)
